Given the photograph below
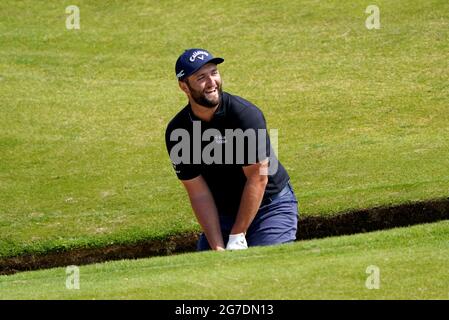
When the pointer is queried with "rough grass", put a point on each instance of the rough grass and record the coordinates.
(362, 114)
(412, 264)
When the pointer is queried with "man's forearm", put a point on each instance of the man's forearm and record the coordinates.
(206, 213)
(249, 205)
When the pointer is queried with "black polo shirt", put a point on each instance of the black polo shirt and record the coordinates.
(198, 147)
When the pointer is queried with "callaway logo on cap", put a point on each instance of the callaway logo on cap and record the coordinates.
(192, 60)
(198, 54)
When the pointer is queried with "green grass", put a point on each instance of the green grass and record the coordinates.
(412, 264)
(362, 114)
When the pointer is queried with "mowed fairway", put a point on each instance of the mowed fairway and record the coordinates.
(362, 114)
(411, 263)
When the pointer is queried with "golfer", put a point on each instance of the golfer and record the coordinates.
(239, 191)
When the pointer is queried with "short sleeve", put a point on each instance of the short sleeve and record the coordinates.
(184, 168)
(252, 122)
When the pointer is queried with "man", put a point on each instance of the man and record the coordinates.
(245, 199)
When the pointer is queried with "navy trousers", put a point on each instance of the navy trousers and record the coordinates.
(276, 222)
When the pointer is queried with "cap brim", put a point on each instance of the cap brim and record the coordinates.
(216, 60)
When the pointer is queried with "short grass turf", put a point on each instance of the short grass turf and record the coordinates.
(362, 114)
(411, 263)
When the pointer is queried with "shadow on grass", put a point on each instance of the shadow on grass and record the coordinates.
(309, 227)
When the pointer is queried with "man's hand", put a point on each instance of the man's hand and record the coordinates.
(237, 242)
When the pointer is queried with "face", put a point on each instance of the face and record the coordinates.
(204, 86)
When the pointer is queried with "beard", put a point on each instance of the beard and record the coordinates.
(201, 99)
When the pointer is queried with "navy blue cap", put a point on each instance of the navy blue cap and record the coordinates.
(192, 60)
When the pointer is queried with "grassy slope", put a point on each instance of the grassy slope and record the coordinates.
(362, 114)
(412, 262)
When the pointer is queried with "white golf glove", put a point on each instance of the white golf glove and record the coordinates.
(237, 242)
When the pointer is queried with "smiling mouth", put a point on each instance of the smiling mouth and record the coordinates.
(211, 91)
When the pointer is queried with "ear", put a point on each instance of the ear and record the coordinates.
(184, 87)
